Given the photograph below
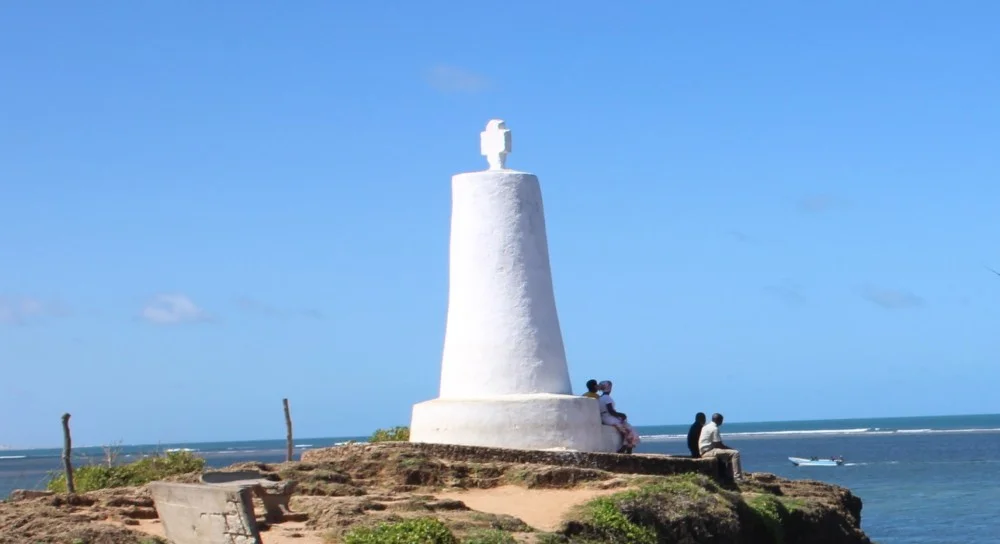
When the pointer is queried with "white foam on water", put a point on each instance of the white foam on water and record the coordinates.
(826, 432)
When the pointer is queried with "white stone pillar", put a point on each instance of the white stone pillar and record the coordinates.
(503, 333)
(504, 377)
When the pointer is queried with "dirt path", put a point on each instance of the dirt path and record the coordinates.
(540, 508)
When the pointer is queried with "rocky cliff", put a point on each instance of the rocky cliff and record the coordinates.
(509, 496)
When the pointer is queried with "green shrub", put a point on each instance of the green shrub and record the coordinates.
(395, 434)
(145, 470)
(490, 536)
(411, 531)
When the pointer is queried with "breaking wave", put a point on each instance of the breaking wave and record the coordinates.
(822, 432)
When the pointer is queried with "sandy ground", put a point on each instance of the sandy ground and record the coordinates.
(543, 509)
(290, 532)
(540, 508)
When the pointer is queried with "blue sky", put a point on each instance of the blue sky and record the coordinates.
(773, 210)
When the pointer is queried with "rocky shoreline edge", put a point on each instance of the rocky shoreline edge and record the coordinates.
(481, 495)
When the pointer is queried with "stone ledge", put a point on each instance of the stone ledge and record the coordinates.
(647, 464)
(28, 494)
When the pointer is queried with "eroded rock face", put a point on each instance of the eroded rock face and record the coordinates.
(25, 494)
(60, 518)
(693, 508)
(364, 484)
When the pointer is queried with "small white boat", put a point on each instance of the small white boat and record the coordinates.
(816, 462)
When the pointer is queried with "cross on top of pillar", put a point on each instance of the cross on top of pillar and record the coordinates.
(494, 143)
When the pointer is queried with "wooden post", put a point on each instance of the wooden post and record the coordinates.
(288, 429)
(67, 453)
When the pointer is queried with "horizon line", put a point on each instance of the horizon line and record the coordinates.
(5, 448)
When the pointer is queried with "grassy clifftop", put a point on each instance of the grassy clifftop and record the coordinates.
(643, 499)
(693, 508)
(402, 493)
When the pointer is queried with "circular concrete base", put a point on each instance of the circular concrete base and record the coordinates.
(527, 422)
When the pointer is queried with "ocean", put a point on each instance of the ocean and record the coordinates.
(923, 480)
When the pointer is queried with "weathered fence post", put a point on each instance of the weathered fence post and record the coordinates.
(288, 428)
(67, 454)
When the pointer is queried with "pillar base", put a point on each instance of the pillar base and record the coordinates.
(526, 422)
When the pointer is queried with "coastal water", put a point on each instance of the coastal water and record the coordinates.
(929, 480)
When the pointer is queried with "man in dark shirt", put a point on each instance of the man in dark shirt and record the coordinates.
(694, 433)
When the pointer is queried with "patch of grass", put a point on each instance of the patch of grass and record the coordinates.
(414, 462)
(411, 531)
(666, 508)
(313, 480)
(518, 476)
(323, 489)
(149, 469)
(395, 434)
(324, 475)
(772, 513)
(689, 485)
(610, 525)
(675, 496)
(490, 536)
(793, 504)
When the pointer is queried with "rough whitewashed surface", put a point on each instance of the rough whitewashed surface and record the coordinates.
(204, 514)
(503, 334)
(504, 377)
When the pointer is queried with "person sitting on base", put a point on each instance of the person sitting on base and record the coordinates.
(694, 434)
(710, 445)
(592, 390)
(610, 416)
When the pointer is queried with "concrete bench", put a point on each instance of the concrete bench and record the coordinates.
(274, 495)
(723, 468)
(205, 514)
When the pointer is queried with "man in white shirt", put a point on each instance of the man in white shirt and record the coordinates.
(710, 445)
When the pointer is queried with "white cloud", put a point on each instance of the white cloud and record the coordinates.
(170, 309)
(451, 79)
(19, 310)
